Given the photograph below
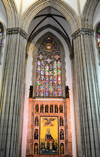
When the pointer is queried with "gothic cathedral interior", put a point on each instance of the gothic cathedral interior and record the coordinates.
(49, 78)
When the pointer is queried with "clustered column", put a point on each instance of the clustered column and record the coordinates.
(12, 92)
(88, 93)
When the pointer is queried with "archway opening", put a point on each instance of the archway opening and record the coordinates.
(49, 23)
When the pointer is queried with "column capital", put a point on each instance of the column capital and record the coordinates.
(17, 30)
(83, 31)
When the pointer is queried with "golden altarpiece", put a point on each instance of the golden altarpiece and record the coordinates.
(49, 120)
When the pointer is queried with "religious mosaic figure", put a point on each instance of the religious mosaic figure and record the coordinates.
(48, 140)
(49, 135)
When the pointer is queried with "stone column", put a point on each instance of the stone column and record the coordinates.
(88, 94)
(76, 110)
(12, 92)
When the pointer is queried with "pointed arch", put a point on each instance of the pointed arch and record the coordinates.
(88, 13)
(12, 13)
(69, 14)
(66, 38)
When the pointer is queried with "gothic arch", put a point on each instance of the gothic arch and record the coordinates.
(37, 45)
(88, 12)
(67, 40)
(59, 5)
(12, 13)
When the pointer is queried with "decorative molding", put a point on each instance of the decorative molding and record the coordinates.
(83, 31)
(17, 30)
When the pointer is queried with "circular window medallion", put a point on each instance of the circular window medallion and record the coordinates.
(48, 47)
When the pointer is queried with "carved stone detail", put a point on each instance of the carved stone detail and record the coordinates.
(83, 31)
(17, 30)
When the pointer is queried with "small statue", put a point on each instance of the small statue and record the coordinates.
(61, 109)
(36, 135)
(41, 109)
(36, 148)
(46, 109)
(56, 109)
(61, 121)
(36, 121)
(51, 108)
(67, 91)
(31, 92)
(37, 108)
(62, 148)
(61, 135)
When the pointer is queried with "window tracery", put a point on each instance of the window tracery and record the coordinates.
(48, 70)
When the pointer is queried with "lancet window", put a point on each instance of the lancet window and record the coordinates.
(49, 70)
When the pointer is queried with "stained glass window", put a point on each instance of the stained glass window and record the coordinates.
(48, 70)
(98, 36)
(1, 34)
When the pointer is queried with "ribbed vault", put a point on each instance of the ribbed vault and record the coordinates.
(69, 14)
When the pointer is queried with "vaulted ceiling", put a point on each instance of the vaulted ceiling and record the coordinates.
(50, 18)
